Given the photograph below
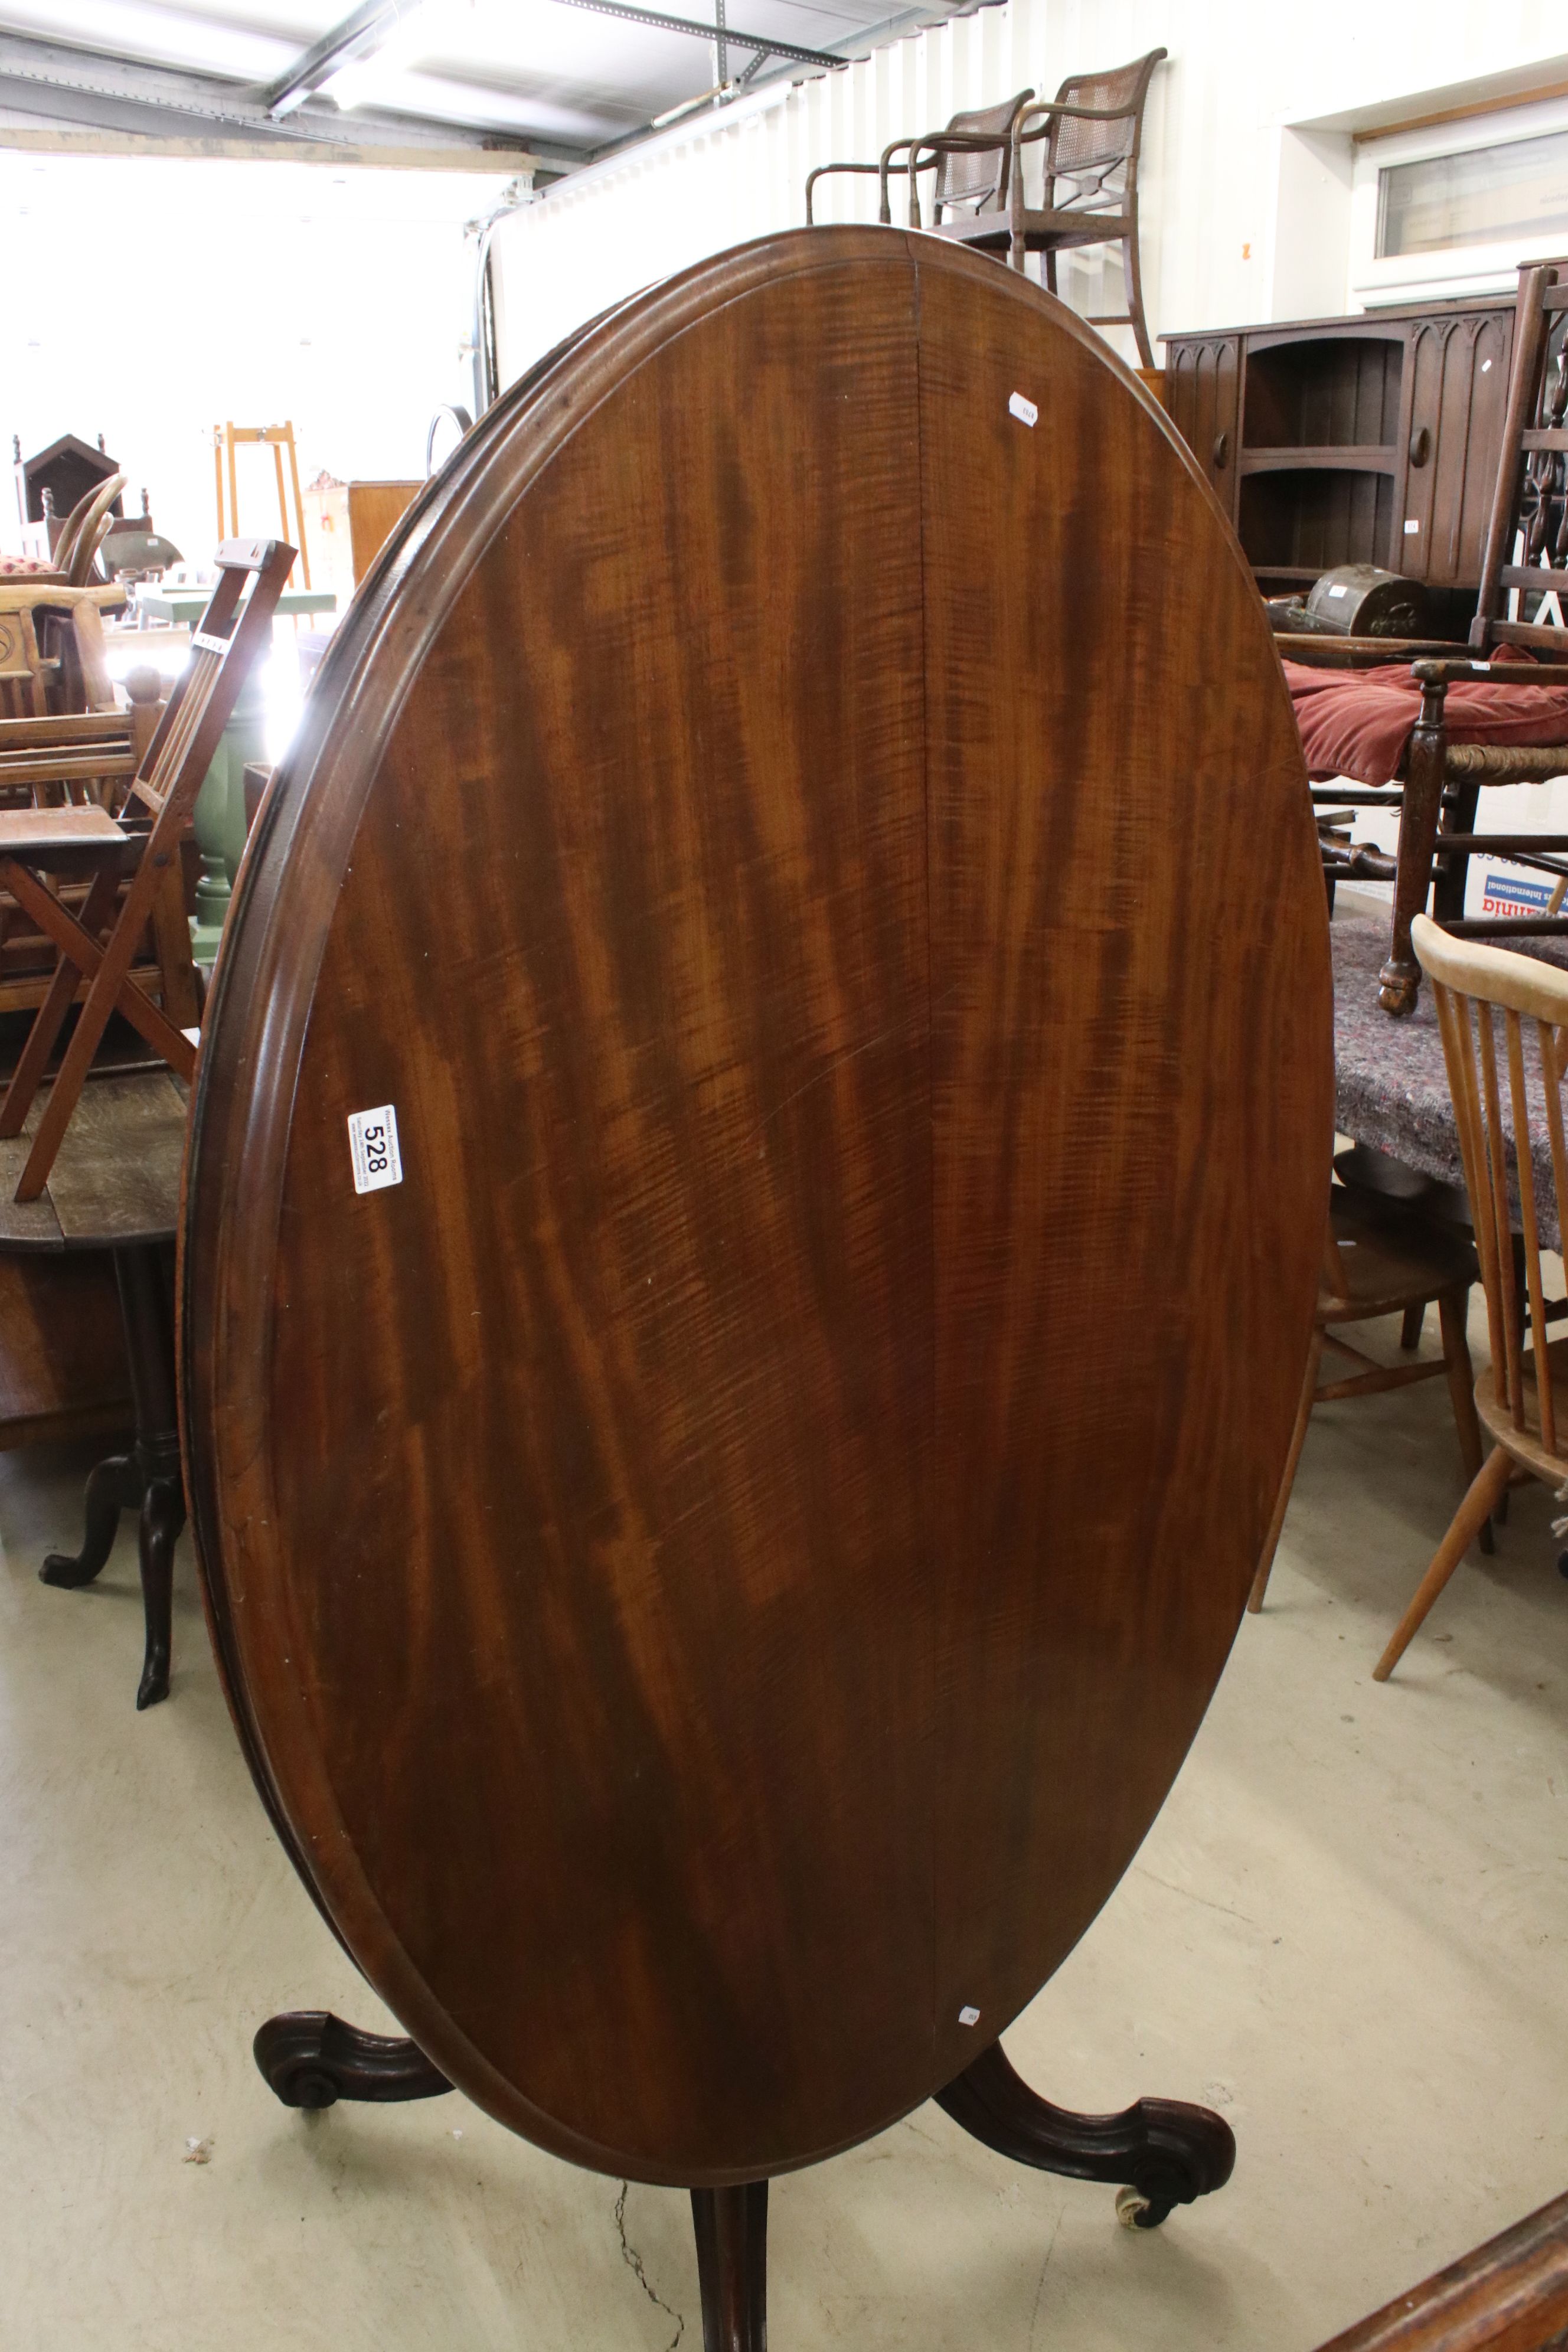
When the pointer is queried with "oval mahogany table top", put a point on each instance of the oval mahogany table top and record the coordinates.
(716, 1566)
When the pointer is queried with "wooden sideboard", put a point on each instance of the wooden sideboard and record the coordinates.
(1371, 439)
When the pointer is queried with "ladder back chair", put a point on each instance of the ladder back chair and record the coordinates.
(1380, 1258)
(143, 845)
(1508, 1108)
(1093, 135)
(972, 159)
(1474, 704)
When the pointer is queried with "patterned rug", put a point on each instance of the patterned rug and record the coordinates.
(1391, 1082)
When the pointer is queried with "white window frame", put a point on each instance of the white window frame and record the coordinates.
(1459, 270)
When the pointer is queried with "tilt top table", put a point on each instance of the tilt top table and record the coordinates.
(751, 1225)
(115, 1186)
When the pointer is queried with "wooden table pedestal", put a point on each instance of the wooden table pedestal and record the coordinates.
(146, 1479)
(115, 1186)
(1158, 2152)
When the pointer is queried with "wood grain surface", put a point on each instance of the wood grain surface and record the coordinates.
(717, 1569)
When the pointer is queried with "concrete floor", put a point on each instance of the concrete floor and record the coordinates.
(1346, 1930)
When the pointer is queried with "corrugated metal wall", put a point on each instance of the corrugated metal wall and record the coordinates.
(1238, 74)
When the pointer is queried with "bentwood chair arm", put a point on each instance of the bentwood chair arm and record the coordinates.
(821, 172)
(1044, 114)
(881, 169)
(925, 154)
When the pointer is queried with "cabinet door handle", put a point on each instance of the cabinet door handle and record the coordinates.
(1221, 448)
(1420, 445)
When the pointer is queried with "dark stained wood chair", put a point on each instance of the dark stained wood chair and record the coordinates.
(1380, 1258)
(140, 847)
(1522, 1398)
(1440, 775)
(1093, 134)
(972, 159)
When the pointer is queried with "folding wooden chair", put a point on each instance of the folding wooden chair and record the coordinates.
(75, 843)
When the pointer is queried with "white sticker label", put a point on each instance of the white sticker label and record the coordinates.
(1411, 527)
(1340, 591)
(373, 1147)
(969, 2017)
(1024, 410)
(1485, 365)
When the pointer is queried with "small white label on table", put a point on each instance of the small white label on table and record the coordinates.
(967, 2016)
(1411, 527)
(1024, 410)
(372, 1146)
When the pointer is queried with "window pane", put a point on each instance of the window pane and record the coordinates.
(1484, 197)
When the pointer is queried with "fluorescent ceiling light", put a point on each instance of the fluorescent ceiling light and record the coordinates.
(364, 81)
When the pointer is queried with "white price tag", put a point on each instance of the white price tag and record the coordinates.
(1024, 410)
(1411, 527)
(373, 1147)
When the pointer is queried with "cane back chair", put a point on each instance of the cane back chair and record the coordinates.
(85, 843)
(1093, 134)
(1515, 1157)
(972, 159)
(1439, 779)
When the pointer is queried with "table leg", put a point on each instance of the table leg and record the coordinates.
(1163, 2151)
(147, 1479)
(309, 2058)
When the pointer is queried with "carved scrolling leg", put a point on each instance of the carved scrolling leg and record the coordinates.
(1163, 2151)
(113, 1486)
(311, 2059)
(732, 2226)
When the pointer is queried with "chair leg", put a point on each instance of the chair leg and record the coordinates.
(102, 1001)
(28, 1075)
(1292, 1459)
(1410, 1327)
(1462, 1390)
(1400, 978)
(1133, 276)
(1493, 1476)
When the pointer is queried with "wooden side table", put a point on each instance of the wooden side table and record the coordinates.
(116, 1187)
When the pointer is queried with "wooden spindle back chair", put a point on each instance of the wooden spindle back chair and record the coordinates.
(1504, 1020)
(100, 944)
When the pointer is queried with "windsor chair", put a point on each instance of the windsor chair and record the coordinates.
(85, 843)
(1513, 1152)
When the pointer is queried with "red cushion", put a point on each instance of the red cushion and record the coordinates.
(23, 563)
(1356, 723)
